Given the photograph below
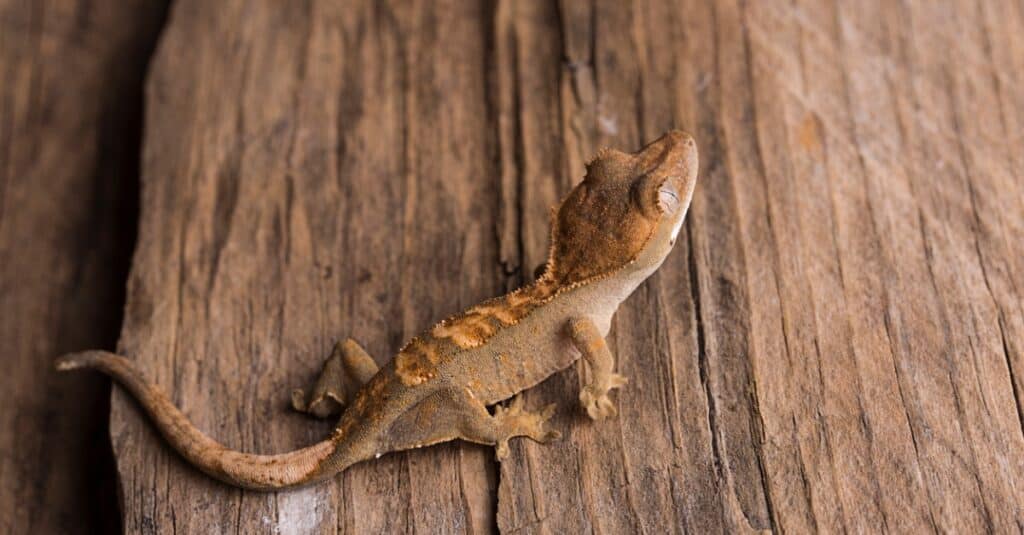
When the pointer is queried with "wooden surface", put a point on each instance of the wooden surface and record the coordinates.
(70, 104)
(837, 344)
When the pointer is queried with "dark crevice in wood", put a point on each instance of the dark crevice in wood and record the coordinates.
(110, 232)
(805, 484)
(520, 159)
(120, 146)
(702, 357)
(1013, 373)
(757, 433)
(757, 437)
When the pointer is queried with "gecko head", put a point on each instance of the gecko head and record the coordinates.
(627, 211)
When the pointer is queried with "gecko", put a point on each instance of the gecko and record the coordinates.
(609, 234)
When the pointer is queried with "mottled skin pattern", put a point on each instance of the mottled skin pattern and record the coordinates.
(612, 232)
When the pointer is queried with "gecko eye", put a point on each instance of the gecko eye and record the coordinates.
(668, 200)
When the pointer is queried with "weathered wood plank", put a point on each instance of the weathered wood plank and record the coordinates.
(837, 346)
(318, 171)
(838, 343)
(70, 106)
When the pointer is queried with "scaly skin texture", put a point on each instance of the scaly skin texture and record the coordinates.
(612, 231)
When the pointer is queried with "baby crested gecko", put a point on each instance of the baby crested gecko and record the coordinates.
(609, 234)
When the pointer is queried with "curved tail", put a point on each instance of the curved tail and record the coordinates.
(258, 472)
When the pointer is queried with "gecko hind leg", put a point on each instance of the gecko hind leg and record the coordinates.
(514, 421)
(347, 369)
(508, 422)
(455, 413)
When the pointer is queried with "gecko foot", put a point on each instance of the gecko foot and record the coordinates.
(327, 397)
(594, 397)
(347, 369)
(513, 421)
(322, 405)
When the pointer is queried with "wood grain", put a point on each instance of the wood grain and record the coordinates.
(70, 106)
(837, 345)
(313, 169)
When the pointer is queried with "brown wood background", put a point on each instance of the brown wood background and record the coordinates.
(71, 75)
(837, 345)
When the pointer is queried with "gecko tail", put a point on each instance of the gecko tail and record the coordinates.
(251, 471)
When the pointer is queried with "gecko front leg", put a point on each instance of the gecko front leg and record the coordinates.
(594, 396)
(347, 369)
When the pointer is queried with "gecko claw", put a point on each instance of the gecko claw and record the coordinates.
(595, 398)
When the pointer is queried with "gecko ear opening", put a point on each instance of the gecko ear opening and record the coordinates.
(668, 199)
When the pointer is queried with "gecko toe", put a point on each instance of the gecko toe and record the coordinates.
(514, 421)
(299, 400)
(617, 381)
(548, 436)
(597, 403)
(321, 406)
(501, 450)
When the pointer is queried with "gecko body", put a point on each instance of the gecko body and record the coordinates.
(610, 233)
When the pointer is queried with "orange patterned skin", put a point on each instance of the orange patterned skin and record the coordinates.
(610, 233)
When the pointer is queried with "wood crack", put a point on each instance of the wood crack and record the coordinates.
(702, 358)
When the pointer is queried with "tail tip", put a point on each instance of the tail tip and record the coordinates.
(66, 363)
(73, 361)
